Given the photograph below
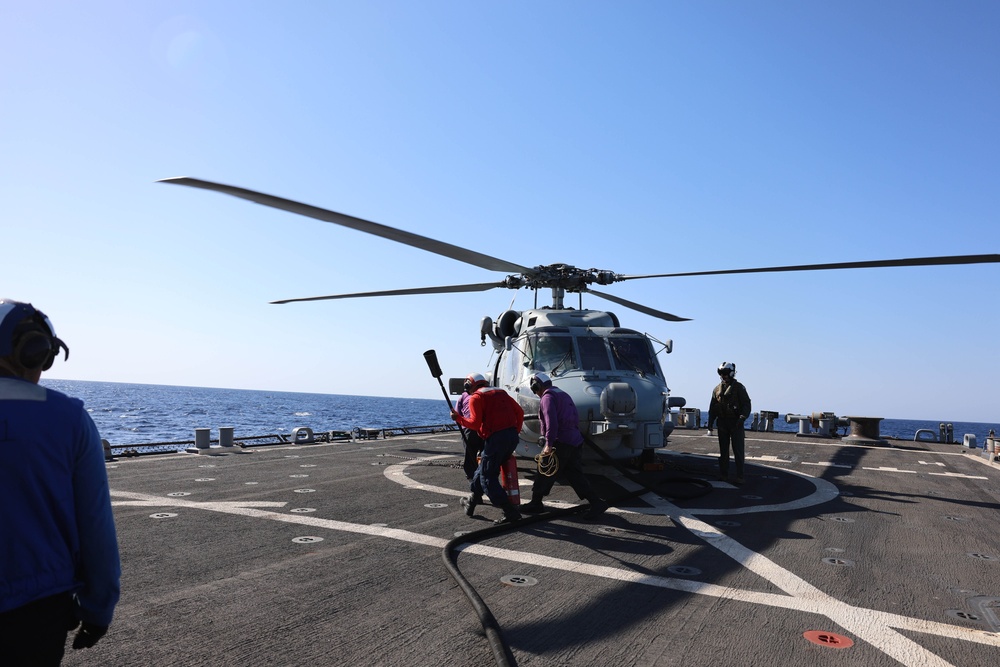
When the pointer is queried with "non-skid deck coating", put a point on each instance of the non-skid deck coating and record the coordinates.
(330, 554)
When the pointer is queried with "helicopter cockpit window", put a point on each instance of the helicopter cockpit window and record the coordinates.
(593, 353)
(634, 354)
(552, 354)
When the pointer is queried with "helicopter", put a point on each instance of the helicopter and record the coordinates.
(611, 372)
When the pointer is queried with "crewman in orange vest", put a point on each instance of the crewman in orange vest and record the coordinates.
(497, 418)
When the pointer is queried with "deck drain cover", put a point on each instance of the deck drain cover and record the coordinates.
(956, 518)
(843, 562)
(964, 615)
(752, 497)
(435, 506)
(518, 580)
(178, 494)
(835, 550)
(305, 490)
(303, 510)
(610, 530)
(983, 556)
(299, 475)
(728, 524)
(842, 519)
(828, 639)
(207, 465)
(308, 539)
(707, 535)
(162, 515)
(308, 465)
(684, 570)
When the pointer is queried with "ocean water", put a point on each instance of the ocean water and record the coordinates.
(136, 414)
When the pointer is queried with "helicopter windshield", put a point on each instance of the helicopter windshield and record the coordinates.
(556, 353)
(632, 353)
(551, 354)
(593, 353)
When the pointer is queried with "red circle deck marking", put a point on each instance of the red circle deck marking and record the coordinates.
(828, 639)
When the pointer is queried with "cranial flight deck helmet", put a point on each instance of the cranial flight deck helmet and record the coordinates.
(27, 336)
(727, 368)
(473, 382)
(539, 382)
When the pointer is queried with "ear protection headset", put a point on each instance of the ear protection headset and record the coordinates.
(538, 382)
(27, 336)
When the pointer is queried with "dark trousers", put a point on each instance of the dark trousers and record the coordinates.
(731, 432)
(34, 635)
(498, 448)
(473, 447)
(570, 469)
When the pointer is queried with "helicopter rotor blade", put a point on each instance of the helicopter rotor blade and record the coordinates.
(912, 261)
(639, 307)
(446, 289)
(361, 225)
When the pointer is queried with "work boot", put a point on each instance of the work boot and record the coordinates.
(469, 503)
(534, 507)
(597, 508)
(510, 515)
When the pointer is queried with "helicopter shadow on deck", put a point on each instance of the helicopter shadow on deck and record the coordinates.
(632, 608)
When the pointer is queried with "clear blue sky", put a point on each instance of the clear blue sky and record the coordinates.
(638, 137)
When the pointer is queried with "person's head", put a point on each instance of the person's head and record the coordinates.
(539, 382)
(727, 370)
(474, 381)
(28, 343)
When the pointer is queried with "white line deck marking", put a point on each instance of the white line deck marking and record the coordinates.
(957, 474)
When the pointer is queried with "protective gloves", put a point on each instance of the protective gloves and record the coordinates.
(88, 634)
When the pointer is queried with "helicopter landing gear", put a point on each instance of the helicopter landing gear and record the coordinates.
(646, 461)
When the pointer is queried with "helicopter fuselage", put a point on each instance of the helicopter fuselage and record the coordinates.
(611, 373)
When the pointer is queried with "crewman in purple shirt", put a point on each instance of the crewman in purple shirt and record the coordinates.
(560, 422)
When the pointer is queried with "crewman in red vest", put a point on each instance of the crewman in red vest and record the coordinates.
(497, 418)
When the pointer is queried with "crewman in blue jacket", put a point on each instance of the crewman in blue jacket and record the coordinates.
(59, 563)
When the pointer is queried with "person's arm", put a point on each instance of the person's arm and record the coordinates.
(745, 406)
(549, 422)
(100, 566)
